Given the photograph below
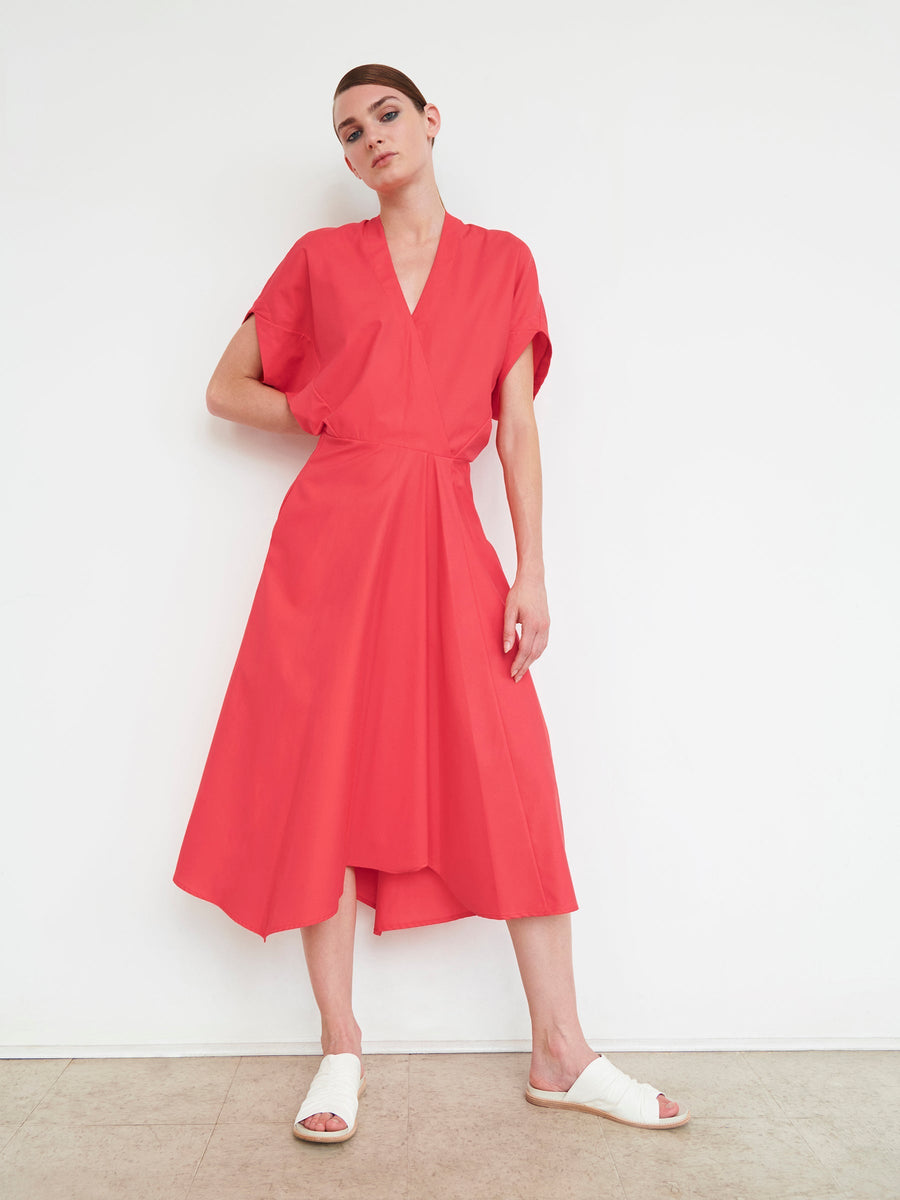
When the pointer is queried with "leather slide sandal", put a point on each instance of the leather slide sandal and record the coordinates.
(605, 1091)
(336, 1088)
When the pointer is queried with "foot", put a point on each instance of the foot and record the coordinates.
(321, 1122)
(557, 1072)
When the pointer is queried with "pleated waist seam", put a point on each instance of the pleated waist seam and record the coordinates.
(394, 446)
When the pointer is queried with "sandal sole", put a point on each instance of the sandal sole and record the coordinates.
(664, 1123)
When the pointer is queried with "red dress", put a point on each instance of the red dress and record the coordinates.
(371, 719)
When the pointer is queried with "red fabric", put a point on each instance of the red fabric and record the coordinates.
(371, 719)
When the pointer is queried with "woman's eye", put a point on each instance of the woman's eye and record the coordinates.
(386, 116)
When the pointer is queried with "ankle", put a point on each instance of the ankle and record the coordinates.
(342, 1037)
(560, 1044)
(557, 1060)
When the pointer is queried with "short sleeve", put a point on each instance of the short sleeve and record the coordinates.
(284, 330)
(527, 323)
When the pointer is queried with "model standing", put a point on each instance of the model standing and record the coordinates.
(381, 738)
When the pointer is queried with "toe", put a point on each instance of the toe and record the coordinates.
(667, 1108)
(324, 1122)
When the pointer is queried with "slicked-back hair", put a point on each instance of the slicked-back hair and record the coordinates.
(387, 76)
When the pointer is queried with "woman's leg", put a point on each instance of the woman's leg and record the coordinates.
(559, 1054)
(328, 947)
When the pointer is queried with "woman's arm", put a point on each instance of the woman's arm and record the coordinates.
(237, 393)
(519, 451)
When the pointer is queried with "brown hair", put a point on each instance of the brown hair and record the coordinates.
(389, 76)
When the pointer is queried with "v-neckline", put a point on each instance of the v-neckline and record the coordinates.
(387, 272)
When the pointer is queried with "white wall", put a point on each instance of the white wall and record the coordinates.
(710, 191)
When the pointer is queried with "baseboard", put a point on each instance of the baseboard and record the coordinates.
(613, 1045)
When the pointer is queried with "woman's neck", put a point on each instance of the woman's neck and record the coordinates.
(414, 213)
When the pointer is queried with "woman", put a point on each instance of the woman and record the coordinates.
(381, 738)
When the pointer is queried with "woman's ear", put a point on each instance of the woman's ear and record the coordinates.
(432, 120)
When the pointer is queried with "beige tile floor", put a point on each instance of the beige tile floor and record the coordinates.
(805, 1125)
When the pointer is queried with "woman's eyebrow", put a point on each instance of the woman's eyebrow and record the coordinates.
(371, 108)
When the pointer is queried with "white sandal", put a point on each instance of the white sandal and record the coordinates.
(605, 1091)
(336, 1088)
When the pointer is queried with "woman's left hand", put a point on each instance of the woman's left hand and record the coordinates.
(526, 605)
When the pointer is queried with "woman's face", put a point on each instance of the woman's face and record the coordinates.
(385, 137)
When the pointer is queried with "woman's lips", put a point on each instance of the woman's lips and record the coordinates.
(383, 158)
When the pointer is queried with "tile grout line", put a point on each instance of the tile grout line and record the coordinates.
(408, 1074)
(18, 1130)
(612, 1159)
(213, 1128)
(39, 1102)
(839, 1192)
(747, 1056)
(760, 1082)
